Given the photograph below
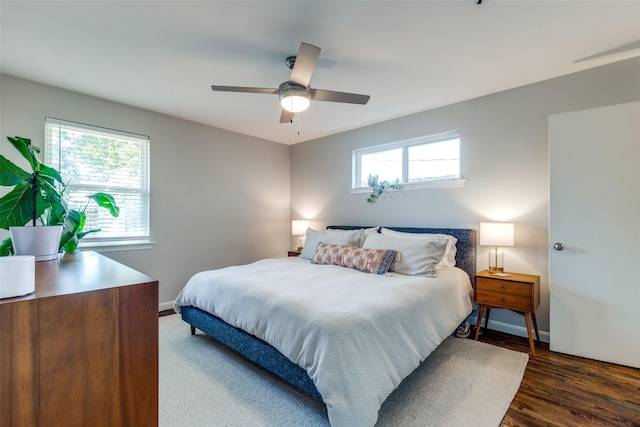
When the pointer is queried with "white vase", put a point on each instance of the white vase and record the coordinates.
(40, 241)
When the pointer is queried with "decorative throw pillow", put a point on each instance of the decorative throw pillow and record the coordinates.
(334, 237)
(416, 257)
(449, 257)
(376, 261)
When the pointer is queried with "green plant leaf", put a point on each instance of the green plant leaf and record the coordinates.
(16, 207)
(74, 221)
(24, 147)
(54, 215)
(380, 187)
(10, 174)
(46, 171)
(57, 206)
(71, 245)
(106, 201)
(73, 225)
(6, 247)
(84, 233)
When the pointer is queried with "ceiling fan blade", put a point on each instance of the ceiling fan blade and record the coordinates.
(245, 89)
(286, 116)
(333, 96)
(618, 49)
(305, 63)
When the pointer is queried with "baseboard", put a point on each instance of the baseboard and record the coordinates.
(508, 328)
(165, 306)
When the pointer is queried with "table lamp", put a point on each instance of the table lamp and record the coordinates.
(496, 234)
(299, 228)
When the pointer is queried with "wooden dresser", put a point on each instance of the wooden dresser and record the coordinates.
(83, 349)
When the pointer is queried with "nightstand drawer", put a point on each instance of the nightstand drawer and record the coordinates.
(502, 285)
(497, 299)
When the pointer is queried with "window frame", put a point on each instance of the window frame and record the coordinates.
(119, 243)
(405, 145)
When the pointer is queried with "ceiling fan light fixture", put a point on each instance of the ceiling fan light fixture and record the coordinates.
(295, 100)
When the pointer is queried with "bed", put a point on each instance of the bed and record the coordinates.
(342, 335)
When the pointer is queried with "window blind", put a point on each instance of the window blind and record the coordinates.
(92, 159)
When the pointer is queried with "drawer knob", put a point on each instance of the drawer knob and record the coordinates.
(558, 246)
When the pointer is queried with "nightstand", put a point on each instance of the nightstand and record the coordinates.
(517, 292)
(294, 252)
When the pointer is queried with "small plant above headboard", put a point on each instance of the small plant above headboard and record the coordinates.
(378, 188)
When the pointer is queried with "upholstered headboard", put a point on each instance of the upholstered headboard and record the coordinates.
(466, 246)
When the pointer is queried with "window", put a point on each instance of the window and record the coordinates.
(430, 161)
(93, 159)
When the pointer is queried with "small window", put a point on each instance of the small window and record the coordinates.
(387, 164)
(93, 159)
(433, 160)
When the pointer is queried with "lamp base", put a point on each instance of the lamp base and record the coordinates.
(301, 239)
(496, 261)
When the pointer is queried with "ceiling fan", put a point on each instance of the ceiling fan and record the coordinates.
(296, 94)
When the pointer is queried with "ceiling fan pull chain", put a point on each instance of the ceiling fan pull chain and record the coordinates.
(298, 116)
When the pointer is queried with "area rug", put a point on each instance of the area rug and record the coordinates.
(462, 383)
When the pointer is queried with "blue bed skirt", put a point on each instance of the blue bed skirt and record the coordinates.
(252, 348)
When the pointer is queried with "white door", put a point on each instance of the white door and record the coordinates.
(594, 281)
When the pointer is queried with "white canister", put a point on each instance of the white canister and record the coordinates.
(17, 275)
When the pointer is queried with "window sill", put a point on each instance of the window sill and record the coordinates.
(425, 185)
(132, 245)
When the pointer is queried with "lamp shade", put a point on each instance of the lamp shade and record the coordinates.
(496, 234)
(299, 227)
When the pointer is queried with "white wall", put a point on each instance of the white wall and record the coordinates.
(217, 198)
(504, 150)
(209, 212)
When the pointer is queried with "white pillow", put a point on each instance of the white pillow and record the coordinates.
(365, 232)
(416, 257)
(449, 258)
(332, 237)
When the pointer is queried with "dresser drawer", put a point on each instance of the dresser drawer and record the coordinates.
(498, 299)
(504, 286)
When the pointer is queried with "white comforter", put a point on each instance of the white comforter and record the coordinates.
(357, 335)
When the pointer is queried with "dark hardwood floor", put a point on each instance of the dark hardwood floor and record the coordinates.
(562, 390)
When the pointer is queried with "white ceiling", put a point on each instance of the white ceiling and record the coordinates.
(409, 56)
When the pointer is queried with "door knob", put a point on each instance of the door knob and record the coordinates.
(558, 246)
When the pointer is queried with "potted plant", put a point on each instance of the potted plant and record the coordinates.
(378, 188)
(35, 199)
